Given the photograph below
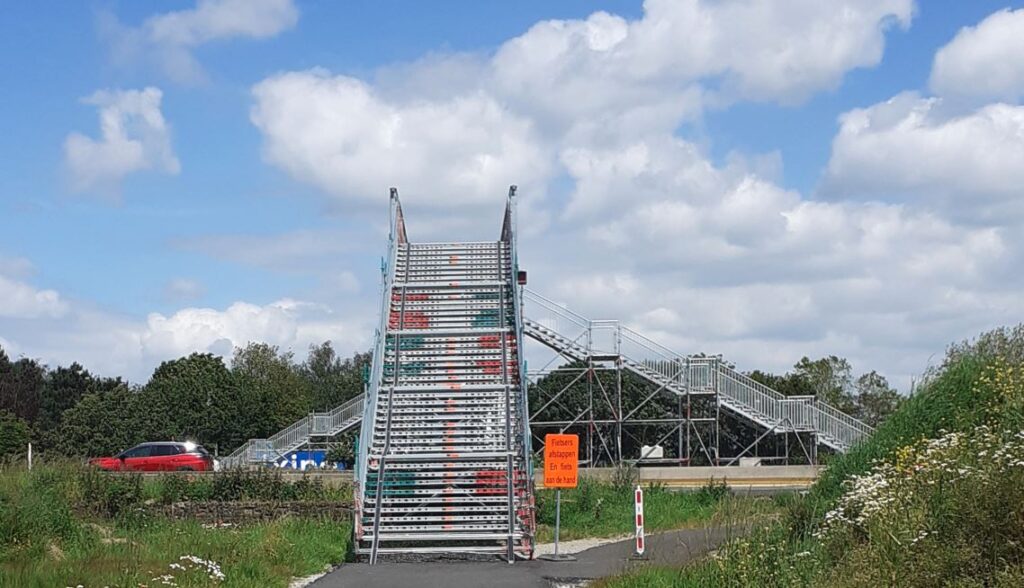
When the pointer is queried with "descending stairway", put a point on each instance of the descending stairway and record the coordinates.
(318, 424)
(442, 465)
(680, 374)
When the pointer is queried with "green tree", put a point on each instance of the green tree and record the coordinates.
(14, 435)
(102, 423)
(875, 399)
(195, 398)
(831, 379)
(21, 383)
(63, 388)
(789, 384)
(330, 379)
(343, 450)
(869, 397)
(273, 393)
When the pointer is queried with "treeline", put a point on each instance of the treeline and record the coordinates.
(868, 397)
(69, 411)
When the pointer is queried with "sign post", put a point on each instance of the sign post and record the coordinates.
(639, 499)
(561, 470)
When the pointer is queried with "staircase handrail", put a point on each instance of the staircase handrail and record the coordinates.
(292, 435)
(396, 236)
(559, 310)
(509, 234)
(644, 341)
(830, 412)
(761, 399)
(751, 382)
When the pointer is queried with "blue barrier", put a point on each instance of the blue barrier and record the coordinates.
(304, 460)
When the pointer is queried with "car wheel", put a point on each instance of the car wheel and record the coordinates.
(185, 469)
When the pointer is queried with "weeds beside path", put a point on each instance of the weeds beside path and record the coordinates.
(596, 509)
(62, 526)
(934, 498)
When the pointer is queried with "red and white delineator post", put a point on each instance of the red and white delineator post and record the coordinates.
(639, 521)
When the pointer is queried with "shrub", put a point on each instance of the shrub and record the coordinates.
(270, 485)
(34, 509)
(712, 492)
(108, 494)
(14, 436)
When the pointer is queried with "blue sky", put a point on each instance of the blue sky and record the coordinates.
(653, 201)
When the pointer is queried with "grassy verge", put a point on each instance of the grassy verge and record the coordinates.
(182, 553)
(934, 498)
(596, 509)
(59, 526)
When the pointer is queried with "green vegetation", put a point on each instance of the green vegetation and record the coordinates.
(68, 411)
(70, 526)
(934, 498)
(868, 397)
(597, 509)
(14, 434)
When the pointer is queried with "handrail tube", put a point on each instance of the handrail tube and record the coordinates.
(396, 233)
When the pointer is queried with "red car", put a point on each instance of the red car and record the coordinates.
(165, 456)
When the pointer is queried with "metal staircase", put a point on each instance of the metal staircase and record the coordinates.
(579, 338)
(443, 455)
(294, 436)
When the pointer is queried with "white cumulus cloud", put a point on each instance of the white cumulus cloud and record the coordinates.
(456, 129)
(607, 70)
(985, 61)
(21, 300)
(719, 259)
(337, 133)
(969, 163)
(133, 137)
(170, 38)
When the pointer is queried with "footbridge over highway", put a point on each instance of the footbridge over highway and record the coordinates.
(446, 431)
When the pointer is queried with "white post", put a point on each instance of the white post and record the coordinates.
(29, 456)
(639, 522)
(558, 517)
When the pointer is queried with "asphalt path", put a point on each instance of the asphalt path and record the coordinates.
(668, 548)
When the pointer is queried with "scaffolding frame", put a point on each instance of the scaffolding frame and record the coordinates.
(695, 421)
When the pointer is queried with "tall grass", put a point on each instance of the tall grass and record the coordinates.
(601, 509)
(258, 555)
(956, 526)
(68, 526)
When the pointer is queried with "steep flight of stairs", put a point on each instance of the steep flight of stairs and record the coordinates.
(443, 462)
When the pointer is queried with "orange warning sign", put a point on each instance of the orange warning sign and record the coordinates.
(561, 461)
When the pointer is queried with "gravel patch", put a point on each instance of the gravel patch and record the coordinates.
(306, 581)
(577, 545)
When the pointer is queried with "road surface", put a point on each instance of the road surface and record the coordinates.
(669, 548)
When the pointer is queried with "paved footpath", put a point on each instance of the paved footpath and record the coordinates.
(669, 548)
